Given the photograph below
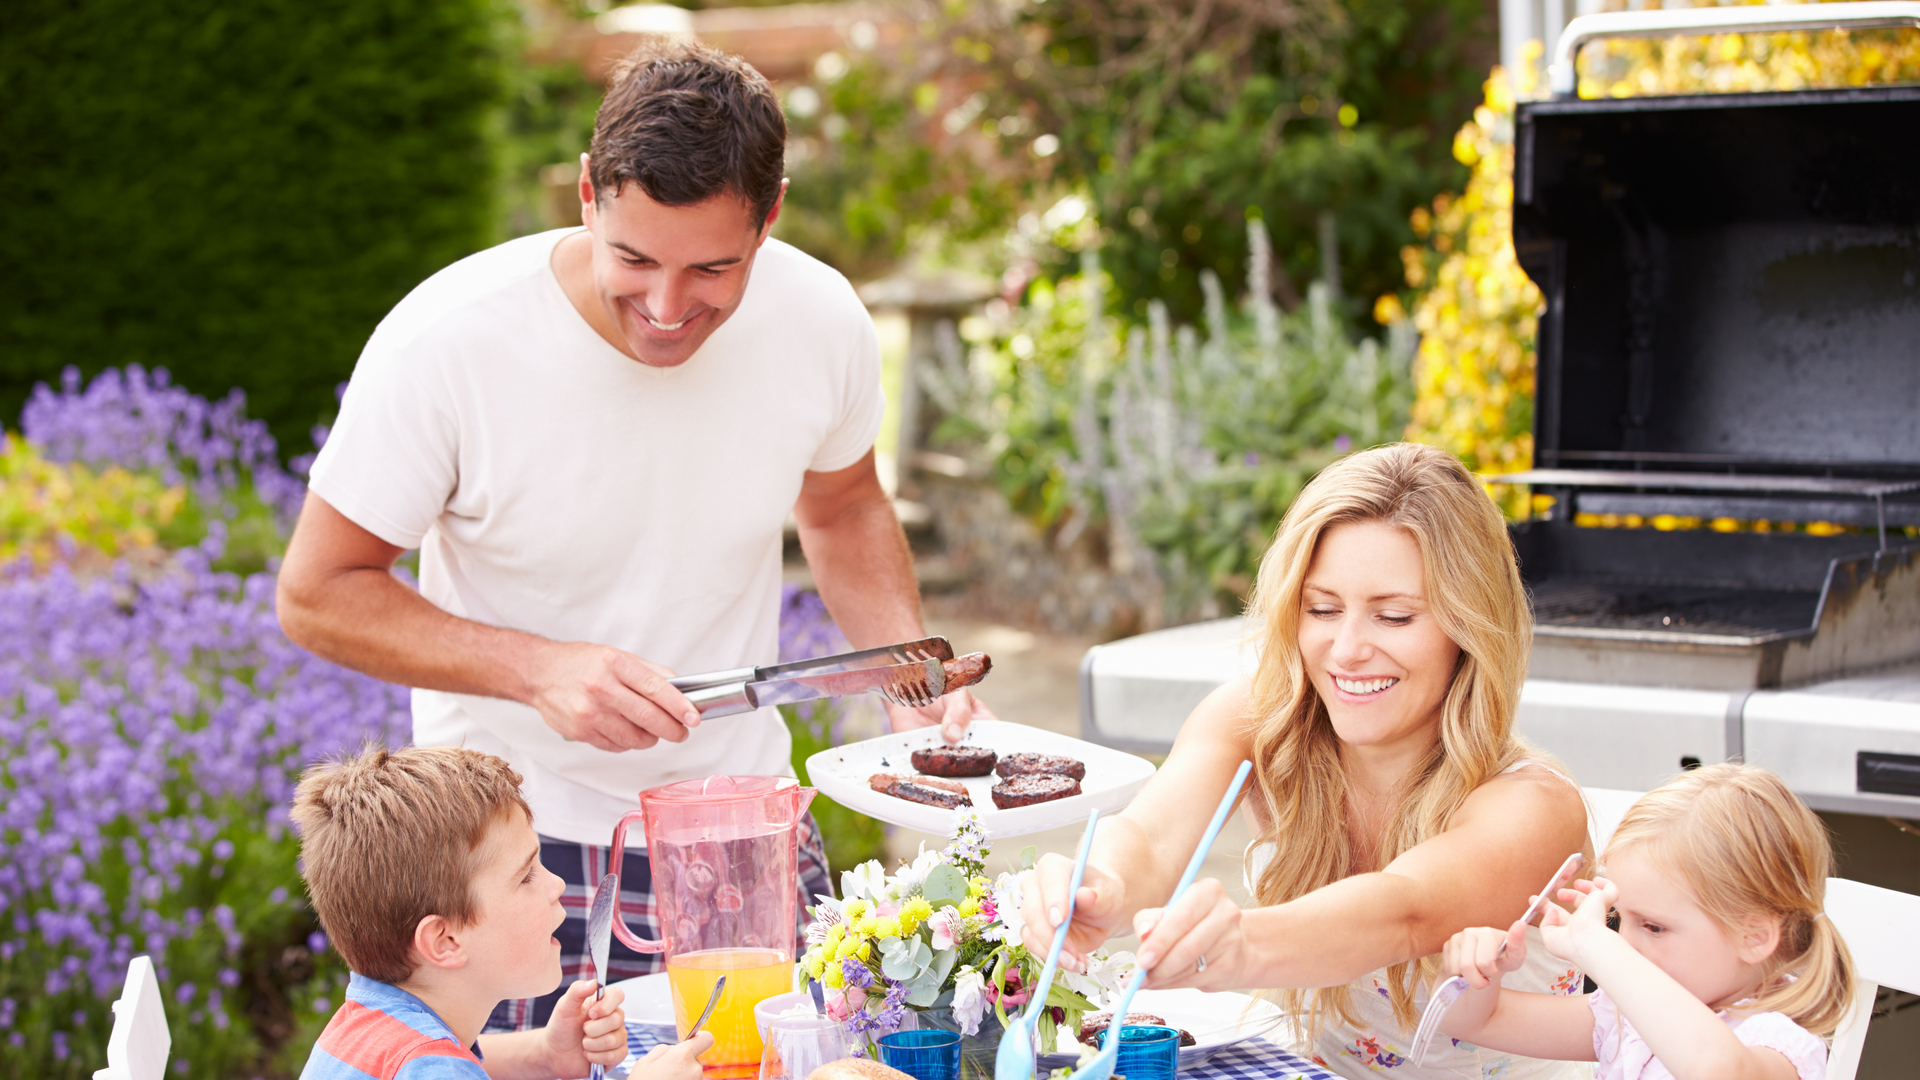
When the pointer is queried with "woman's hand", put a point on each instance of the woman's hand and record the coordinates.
(1569, 935)
(1474, 953)
(1198, 942)
(1043, 903)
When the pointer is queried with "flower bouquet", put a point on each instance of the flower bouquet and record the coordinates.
(940, 940)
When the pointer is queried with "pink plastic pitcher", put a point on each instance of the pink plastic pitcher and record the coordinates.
(725, 858)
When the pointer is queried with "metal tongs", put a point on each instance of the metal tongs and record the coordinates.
(909, 673)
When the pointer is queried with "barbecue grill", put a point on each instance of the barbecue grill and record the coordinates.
(1730, 341)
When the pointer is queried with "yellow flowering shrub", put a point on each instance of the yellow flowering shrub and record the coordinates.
(52, 512)
(1477, 310)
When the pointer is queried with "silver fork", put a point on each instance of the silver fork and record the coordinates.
(1449, 991)
(917, 686)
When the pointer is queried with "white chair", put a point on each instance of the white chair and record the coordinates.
(1878, 926)
(1605, 808)
(138, 1047)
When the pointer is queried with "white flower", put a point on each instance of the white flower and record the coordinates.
(1102, 980)
(969, 1000)
(868, 881)
(911, 879)
(1006, 905)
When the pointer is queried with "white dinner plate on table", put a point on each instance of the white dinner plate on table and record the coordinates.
(1217, 1021)
(1113, 778)
(649, 1004)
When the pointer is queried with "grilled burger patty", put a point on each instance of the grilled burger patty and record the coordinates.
(1033, 788)
(965, 671)
(1093, 1024)
(955, 761)
(1041, 764)
(921, 789)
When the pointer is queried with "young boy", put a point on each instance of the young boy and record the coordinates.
(425, 870)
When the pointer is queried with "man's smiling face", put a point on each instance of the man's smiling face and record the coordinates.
(668, 276)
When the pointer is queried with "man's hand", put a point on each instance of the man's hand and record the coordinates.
(679, 1061)
(583, 1032)
(953, 712)
(608, 699)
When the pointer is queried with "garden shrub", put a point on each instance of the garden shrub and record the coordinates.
(237, 190)
(1186, 447)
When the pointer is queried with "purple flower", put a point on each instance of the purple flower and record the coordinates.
(316, 942)
(856, 973)
(1342, 443)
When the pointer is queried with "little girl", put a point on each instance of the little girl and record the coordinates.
(1723, 966)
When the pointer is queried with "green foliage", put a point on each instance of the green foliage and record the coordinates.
(1185, 446)
(850, 838)
(236, 190)
(1183, 122)
(869, 175)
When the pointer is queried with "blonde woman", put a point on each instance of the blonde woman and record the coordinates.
(1392, 804)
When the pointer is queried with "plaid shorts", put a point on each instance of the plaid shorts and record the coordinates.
(582, 866)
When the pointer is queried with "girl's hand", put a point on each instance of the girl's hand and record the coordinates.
(1474, 953)
(1569, 934)
(1043, 903)
(1204, 924)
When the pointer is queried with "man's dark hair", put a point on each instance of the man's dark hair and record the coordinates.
(687, 122)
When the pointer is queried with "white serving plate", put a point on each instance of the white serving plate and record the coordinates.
(1113, 778)
(649, 1003)
(1217, 1021)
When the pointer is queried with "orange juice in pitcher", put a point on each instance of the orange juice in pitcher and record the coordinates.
(753, 975)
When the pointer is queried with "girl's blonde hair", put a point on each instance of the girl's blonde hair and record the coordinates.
(1750, 850)
(1473, 586)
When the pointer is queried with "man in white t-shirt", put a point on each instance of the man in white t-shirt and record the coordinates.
(594, 438)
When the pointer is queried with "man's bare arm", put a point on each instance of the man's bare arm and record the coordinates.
(864, 571)
(338, 599)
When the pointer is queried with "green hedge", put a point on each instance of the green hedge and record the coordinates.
(236, 190)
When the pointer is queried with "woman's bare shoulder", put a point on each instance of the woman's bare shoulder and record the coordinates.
(1536, 792)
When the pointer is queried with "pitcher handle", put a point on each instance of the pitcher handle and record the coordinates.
(628, 937)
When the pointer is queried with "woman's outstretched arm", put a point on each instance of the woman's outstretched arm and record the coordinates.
(1503, 844)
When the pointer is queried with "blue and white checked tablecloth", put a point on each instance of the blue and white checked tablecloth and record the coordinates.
(1256, 1059)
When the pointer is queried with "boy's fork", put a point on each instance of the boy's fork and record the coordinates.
(1449, 991)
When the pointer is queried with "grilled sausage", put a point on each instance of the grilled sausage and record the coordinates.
(967, 670)
(1041, 764)
(955, 761)
(921, 789)
(1033, 788)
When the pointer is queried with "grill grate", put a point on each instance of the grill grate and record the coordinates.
(1645, 604)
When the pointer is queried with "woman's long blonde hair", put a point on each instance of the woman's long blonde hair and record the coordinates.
(1473, 586)
(1749, 849)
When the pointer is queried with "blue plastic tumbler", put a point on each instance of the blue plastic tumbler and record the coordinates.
(924, 1054)
(1148, 1052)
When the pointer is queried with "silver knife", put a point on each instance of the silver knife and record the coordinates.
(929, 648)
(916, 683)
(600, 939)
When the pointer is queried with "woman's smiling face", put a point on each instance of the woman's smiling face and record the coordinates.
(1368, 636)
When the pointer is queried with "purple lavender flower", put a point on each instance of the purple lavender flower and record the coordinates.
(856, 973)
(1342, 443)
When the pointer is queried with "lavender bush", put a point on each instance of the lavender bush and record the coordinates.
(152, 726)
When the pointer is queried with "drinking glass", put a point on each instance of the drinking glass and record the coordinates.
(797, 1045)
(927, 1054)
(1148, 1052)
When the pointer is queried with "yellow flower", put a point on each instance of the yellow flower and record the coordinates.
(865, 951)
(857, 908)
(833, 977)
(913, 913)
(977, 887)
(887, 927)
(969, 908)
(815, 964)
(848, 948)
(867, 926)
